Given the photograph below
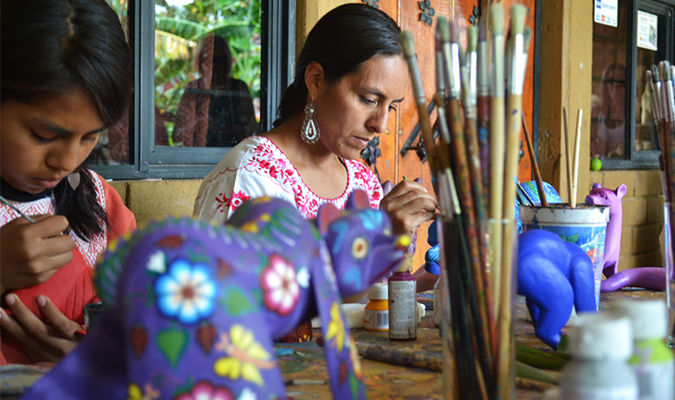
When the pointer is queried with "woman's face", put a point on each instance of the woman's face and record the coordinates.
(351, 112)
(43, 142)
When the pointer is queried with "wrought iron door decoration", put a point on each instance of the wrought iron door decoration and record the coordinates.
(427, 12)
(372, 3)
(475, 17)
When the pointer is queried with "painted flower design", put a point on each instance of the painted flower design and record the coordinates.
(186, 292)
(279, 282)
(246, 356)
(354, 355)
(136, 393)
(205, 391)
(336, 328)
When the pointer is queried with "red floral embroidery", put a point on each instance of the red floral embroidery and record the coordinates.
(237, 199)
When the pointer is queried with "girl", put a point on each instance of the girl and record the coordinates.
(65, 78)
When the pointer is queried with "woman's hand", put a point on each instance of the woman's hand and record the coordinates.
(31, 253)
(409, 204)
(42, 342)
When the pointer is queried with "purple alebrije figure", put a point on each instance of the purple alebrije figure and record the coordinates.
(553, 275)
(653, 278)
(193, 309)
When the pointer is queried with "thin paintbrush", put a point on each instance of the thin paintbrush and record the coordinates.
(497, 149)
(15, 208)
(568, 158)
(469, 72)
(483, 106)
(506, 353)
(575, 166)
(535, 166)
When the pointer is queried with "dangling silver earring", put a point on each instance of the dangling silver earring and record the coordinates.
(310, 131)
(74, 179)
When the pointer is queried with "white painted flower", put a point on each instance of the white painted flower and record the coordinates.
(279, 282)
(186, 292)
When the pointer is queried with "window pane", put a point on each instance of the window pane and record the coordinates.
(645, 130)
(113, 144)
(608, 112)
(207, 72)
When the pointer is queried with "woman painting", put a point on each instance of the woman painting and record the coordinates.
(350, 77)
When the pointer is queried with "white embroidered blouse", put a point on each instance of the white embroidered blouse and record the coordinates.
(257, 167)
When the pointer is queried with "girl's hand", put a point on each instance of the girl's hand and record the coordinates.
(409, 205)
(31, 253)
(42, 342)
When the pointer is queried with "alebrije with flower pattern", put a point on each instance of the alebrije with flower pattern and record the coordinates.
(202, 304)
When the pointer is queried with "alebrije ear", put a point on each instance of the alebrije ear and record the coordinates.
(325, 216)
(596, 186)
(358, 200)
(621, 191)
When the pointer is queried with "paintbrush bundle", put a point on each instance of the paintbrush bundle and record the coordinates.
(661, 86)
(660, 83)
(474, 166)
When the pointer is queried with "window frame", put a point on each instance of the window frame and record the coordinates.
(646, 159)
(148, 161)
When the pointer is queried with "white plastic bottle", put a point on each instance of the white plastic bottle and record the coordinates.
(600, 346)
(652, 360)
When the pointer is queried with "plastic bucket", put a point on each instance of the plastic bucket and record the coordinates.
(585, 226)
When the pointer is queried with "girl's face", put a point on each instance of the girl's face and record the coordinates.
(351, 112)
(43, 142)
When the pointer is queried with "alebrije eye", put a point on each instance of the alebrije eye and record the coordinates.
(359, 248)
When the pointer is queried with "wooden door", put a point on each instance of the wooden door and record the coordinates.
(411, 15)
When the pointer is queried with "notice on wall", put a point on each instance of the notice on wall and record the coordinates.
(647, 30)
(607, 12)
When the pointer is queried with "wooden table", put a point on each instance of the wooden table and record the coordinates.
(411, 371)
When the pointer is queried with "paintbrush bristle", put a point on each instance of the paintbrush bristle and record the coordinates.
(472, 35)
(408, 43)
(497, 19)
(454, 32)
(527, 37)
(655, 73)
(664, 70)
(518, 15)
(444, 27)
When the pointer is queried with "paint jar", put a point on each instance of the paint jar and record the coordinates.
(585, 226)
(403, 303)
(652, 360)
(376, 314)
(668, 247)
(600, 346)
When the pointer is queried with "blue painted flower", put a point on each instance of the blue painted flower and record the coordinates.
(186, 292)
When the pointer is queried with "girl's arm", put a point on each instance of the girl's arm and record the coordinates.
(42, 342)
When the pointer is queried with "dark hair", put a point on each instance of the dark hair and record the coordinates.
(342, 41)
(53, 46)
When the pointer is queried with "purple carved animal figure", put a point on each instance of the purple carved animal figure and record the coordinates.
(193, 308)
(649, 278)
(553, 275)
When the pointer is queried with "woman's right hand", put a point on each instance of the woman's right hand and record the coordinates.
(31, 253)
